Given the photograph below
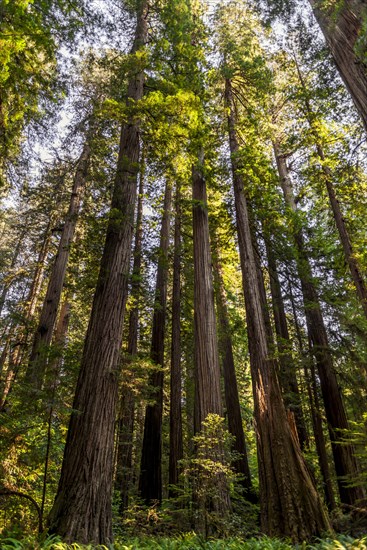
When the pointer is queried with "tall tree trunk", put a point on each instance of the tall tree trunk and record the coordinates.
(344, 237)
(175, 422)
(345, 462)
(124, 480)
(342, 25)
(82, 509)
(290, 505)
(315, 414)
(150, 482)
(234, 417)
(208, 398)
(208, 392)
(43, 335)
(287, 374)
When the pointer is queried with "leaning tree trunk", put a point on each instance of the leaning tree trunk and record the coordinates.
(235, 425)
(124, 472)
(175, 418)
(290, 504)
(342, 26)
(150, 482)
(208, 398)
(341, 226)
(82, 509)
(287, 374)
(43, 335)
(344, 458)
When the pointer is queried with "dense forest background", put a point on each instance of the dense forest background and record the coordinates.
(183, 299)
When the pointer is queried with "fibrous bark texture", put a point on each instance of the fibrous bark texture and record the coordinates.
(290, 505)
(341, 24)
(82, 509)
(208, 399)
(208, 393)
(127, 402)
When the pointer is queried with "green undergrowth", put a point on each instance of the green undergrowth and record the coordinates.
(188, 542)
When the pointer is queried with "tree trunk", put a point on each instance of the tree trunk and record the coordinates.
(287, 375)
(43, 335)
(342, 25)
(208, 398)
(315, 415)
(346, 243)
(150, 482)
(290, 505)
(124, 480)
(345, 462)
(82, 509)
(176, 444)
(208, 392)
(234, 417)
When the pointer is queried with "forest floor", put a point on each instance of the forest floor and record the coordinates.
(189, 542)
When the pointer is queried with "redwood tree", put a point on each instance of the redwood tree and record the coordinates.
(342, 26)
(44, 332)
(82, 508)
(344, 457)
(290, 505)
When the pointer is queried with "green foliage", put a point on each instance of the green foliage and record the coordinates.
(188, 541)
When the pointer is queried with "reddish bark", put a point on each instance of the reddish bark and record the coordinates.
(290, 505)
(82, 509)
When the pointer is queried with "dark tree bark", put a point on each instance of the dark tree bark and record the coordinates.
(342, 25)
(124, 479)
(150, 482)
(234, 417)
(82, 508)
(344, 458)
(287, 374)
(176, 444)
(290, 505)
(43, 335)
(315, 414)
